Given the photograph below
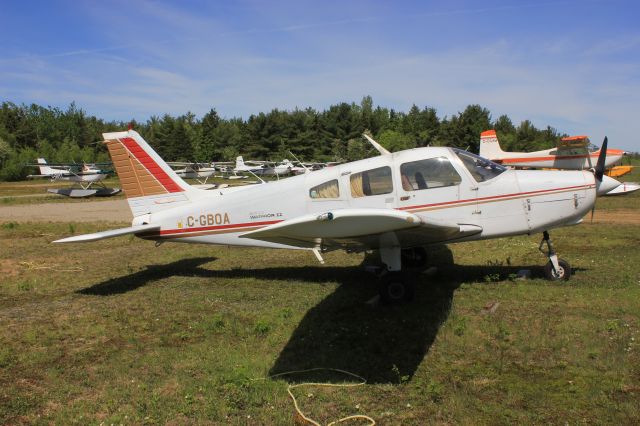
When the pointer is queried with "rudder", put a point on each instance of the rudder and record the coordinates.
(149, 184)
(489, 145)
(45, 169)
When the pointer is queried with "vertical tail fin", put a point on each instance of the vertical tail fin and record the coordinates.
(239, 162)
(149, 184)
(46, 170)
(489, 145)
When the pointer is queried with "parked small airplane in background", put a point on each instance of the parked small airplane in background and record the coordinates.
(396, 203)
(84, 176)
(193, 170)
(284, 168)
(571, 153)
(201, 172)
(253, 167)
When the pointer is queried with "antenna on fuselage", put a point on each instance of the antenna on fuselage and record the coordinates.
(382, 150)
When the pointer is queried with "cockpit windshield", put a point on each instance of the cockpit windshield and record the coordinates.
(480, 168)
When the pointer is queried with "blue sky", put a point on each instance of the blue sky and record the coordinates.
(574, 65)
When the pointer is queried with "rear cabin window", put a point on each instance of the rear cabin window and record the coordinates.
(325, 190)
(371, 182)
(430, 173)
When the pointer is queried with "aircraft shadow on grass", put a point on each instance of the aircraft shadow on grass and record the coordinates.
(126, 283)
(383, 344)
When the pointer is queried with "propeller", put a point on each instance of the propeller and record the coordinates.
(604, 183)
(599, 171)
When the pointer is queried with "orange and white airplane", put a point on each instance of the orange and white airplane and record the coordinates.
(571, 153)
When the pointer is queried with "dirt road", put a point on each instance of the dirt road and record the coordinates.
(92, 211)
(621, 216)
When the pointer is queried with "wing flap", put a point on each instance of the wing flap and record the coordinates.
(139, 229)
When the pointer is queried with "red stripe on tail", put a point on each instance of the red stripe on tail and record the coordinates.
(150, 164)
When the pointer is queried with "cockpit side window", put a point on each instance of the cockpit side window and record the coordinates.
(480, 168)
(371, 182)
(328, 189)
(430, 173)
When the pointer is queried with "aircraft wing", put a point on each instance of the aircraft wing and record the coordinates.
(179, 163)
(192, 164)
(361, 229)
(573, 142)
(139, 229)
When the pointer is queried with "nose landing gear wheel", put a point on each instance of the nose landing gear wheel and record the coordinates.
(395, 289)
(562, 273)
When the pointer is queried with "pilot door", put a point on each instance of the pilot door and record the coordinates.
(434, 188)
(495, 202)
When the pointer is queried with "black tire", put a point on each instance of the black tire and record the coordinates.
(563, 274)
(395, 289)
(416, 257)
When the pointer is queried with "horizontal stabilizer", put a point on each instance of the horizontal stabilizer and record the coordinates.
(139, 229)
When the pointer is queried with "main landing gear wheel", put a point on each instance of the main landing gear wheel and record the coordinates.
(415, 257)
(395, 288)
(562, 273)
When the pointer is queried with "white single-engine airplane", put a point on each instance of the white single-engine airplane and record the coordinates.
(201, 172)
(242, 167)
(397, 203)
(571, 153)
(84, 176)
(193, 170)
(284, 168)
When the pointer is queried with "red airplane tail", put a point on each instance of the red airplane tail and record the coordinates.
(148, 182)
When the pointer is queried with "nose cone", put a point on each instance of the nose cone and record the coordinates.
(606, 185)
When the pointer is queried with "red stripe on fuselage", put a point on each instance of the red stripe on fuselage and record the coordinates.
(217, 227)
(150, 164)
(496, 197)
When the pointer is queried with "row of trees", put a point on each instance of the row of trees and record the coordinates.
(31, 131)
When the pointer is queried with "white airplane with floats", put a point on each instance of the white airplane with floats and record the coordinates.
(82, 175)
(284, 168)
(571, 153)
(398, 203)
(201, 172)
(249, 167)
(193, 170)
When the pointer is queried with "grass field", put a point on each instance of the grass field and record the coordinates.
(122, 332)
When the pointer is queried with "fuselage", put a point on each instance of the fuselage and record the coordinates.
(566, 159)
(437, 183)
(189, 173)
(89, 176)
